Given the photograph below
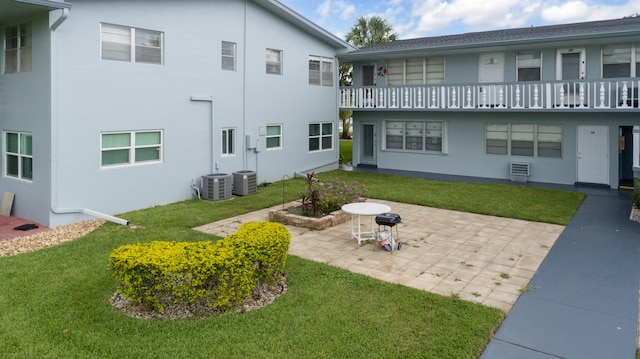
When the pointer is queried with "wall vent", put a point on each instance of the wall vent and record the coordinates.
(519, 171)
(245, 183)
(216, 186)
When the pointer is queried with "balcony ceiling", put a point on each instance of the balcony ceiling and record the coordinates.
(19, 9)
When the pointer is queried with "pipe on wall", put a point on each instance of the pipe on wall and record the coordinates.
(92, 213)
(54, 138)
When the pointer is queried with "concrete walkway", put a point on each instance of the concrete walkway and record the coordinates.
(483, 259)
(585, 302)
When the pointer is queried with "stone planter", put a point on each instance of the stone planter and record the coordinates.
(635, 214)
(283, 216)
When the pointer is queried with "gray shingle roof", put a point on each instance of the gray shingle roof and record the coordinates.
(535, 33)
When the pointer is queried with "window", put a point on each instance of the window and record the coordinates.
(17, 53)
(228, 141)
(414, 135)
(274, 62)
(320, 71)
(524, 140)
(122, 148)
(529, 65)
(122, 43)
(620, 61)
(415, 71)
(497, 139)
(274, 136)
(228, 56)
(19, 155)
(320, 136)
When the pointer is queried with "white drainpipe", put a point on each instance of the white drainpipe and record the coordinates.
(54, 140)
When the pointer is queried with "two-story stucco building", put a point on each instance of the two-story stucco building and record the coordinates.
(110, 106)
(554, 104)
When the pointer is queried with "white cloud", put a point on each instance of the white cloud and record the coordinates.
(566, 12)
(438, 16)
(578, 11)
(330, 8)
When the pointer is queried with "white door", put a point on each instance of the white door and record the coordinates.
(491, 70)
(593, 154)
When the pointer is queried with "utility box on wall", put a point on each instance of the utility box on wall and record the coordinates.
(244, 183)
(216, 186)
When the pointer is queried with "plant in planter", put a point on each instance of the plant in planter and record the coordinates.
(323, 198)
(321, 204)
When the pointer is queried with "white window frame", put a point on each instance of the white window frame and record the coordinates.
(323, 75)
(634, 59)
(278, 136)
(21, 155)
(321, 136)
(540, 134)
(404, 128)
(273, 62)
(135, 43)
(529, 63)
(131, 148)
(228, 141)
(20, 48)
(229, 54)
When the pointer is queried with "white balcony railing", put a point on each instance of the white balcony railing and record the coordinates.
(610, 94)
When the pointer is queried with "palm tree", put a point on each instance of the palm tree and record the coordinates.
(367, 32)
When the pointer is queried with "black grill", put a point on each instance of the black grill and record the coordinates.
(388, 219)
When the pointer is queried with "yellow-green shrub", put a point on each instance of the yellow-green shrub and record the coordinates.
(220, 274)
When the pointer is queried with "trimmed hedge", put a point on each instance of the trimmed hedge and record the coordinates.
(220, 275)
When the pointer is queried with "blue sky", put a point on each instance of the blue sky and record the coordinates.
(418, 18)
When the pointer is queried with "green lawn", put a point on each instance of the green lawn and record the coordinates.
(346, 152)
(54, 302)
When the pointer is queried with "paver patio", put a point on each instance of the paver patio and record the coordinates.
(484, 259)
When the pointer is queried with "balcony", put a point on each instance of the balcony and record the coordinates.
(619, 94)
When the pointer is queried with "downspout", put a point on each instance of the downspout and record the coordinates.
(54, 135)
(214, 163)
(245, 158)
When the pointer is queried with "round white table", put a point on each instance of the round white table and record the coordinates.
(360, 209)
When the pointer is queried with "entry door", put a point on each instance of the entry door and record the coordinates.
(368, 75)
(368, 80)
(491, 70)
(593, 154)
(625, 156)
(570, 68)
(368, 144)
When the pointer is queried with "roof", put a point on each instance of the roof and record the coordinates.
(534, 34)
(305, 24)
(10, 9)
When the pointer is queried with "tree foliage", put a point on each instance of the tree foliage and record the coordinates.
(372, 31)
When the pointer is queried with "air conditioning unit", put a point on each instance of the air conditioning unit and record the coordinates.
(244, 183)
(519, 171)
(216, 186)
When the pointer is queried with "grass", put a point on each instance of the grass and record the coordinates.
(346, 151)
(54, 302)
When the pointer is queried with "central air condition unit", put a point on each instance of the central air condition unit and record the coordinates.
(519, 171)
(244, 183)
(216, 186)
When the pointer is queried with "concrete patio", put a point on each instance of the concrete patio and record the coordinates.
(484, 259)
